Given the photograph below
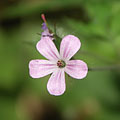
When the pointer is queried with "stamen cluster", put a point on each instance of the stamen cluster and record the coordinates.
(61, 64)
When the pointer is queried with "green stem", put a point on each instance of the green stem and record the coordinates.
(105, 68)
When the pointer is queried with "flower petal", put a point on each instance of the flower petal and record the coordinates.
(56, 84)
(69, 46)
(76, 69)
(46, 33)
(48, 49)
(40, 68)
(44, 26)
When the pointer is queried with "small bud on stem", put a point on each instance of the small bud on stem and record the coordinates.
(43, 17)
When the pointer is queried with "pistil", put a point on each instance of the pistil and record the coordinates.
(61, 64)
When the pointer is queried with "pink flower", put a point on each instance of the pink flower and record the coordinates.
(46, 32)
(58, 64)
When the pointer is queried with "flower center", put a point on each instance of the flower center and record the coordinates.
(61, 64)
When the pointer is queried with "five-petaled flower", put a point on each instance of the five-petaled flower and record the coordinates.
(58, 63)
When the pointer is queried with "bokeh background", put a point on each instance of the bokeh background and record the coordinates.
(96, 23)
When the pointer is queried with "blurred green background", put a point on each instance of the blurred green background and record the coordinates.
(96, 23)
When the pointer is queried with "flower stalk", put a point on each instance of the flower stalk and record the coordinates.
(105, 68)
